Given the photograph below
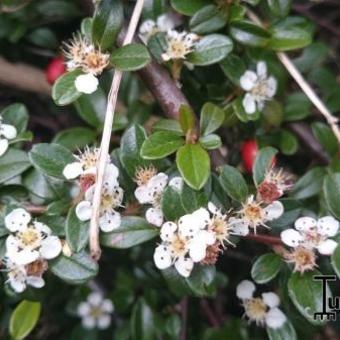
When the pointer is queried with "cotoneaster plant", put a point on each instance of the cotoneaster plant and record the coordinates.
(195, 192)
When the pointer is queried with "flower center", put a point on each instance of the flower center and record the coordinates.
(253, 213)
(178, 49)
(304, 259)
(110, 201)
(255, 309)
(30, 238)
(36, 268)
(95, 62)
(313, 237)
(143, 175)
(89, 158)
(260, 90)
(178, 246)
(96, 312)
(86, 181)
(268, 192)
(220, 227)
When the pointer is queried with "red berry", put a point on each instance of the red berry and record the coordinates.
(248, 152)
(55, 69)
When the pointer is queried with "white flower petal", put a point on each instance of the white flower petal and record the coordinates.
(18, 284)
(84, 210)
(248, 80)
(245, 290)
(271, 87)
(104, 321)
(143, 194)
(111, 177)
(73, 170)
(271, 299)
(158, 182)
(50, 247)
(8, 131)
(24, 256)
(176, 182)
(154, 216)
(305, 223)
(17, 220)
(197, 251)
(239, 227)
(184, 266)
(107, 306)
(261, 69)
(88, 322)
(212, 208)
(291, 237)
(86, 83)
(274, 210)
(327, 247)
(110, 221)
(83, 309)
(3, 146)
(249, 103)
(201, 217)
(35, 281)
(162, 257)
(146, 27)
(167, 231)
(275, 318)
(95, 298)
(42, 227)
(328, 226)
(166, 22)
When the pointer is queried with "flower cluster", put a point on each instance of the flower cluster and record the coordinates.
(83, 54)
(262, 310)
(259, 87)
(7, 132)
(96, 311)
(85, 170)
(150, 187)
(310, 235)
(28, 247)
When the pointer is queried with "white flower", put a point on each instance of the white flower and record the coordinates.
(253, 214)
(164, 23)
(20, 276)
(86, 83)
(29, 240)
(263, 310)
(149, 191)
(313, 234)
(184, 244)
(179, 44)
(7, 132)
(95, 312)
(259, 88)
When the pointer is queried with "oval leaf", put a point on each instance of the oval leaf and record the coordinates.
(263, 161)
(336, 260)
(286, 331)
(331, 189)
(265, 268)
(212, 118)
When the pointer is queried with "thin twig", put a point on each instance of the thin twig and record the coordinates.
(306, 88)
(184, 313)
(105, 143)
(265, 239)
(209, 313)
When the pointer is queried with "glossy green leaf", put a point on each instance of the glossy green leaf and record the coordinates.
(188, 7)
(233, 67)
(24, 318)
(297, 107)
(142, 321)
(211, 119)
(263, 161)
(287, 331)
(171, 204)
(50, 159)
(210, 50)
(77, 232)
(266, 267)
(335, 260)
(279, 8)
(193, 162)
(161, 144)
(326, 137)
(16, 115)
(186, 118)
(77, 269)
(233, 183)
(130, 57)
(331, 190)
(107, 22)
(170, 125)
(288, 143)
(64, 91)
(210, 142)
(132, 231)
(75, 138)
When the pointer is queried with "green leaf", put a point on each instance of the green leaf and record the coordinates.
(16, 115)
(24, 318)
(233, 67)
(161, 144)
(297, 107)
(207, 20)
(130, 57)
(212, 118)
(186, 118)
(287, 36)
(239, 111)
(107, 22)
(326, 137)
(192, 200)
(193, 162)
(188, 7)
(210, 50)
(210, 142)
(286, 331)
(279, 8)
(50, 159)
(171, 204)
(266, 267)
(13, 163)
(77, 269)
(64, 91)
(132, 231)
(306, 294)
(233, 183)
(142, 321)
(335, 260)
(77, 232)
(75, 138)
(250, 34)
(288, 143)
(38, 185)
(331, 190)
(310, 184)
(170, 125)
(263, 161)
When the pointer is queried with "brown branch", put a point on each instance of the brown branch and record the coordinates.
(35, 209)
(209, 313)
(23, 77)
(265, 239)
(184, 315)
